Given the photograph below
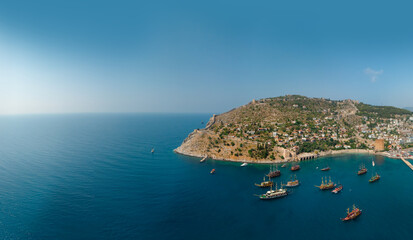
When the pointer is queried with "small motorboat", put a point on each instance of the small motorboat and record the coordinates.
(337, 189)
(213, 171)
(325, 169)
(244, 164)
(295, 168)
(284, 165)
(153, 150)
(203, 159)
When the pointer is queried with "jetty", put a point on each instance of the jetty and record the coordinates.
(407, 163)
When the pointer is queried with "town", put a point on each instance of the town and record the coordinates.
(295, 127)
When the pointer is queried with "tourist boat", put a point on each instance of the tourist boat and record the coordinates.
(203, 159)
(293, 183)
(362, 170)
(284, 165)
(325, 169)
(265, 183)
(244, 164)
(273, 194)
(213, 171)
(295, 168)
(337, 189)
(353, 214)
(326, 185)
(374, 178)
(273, 173)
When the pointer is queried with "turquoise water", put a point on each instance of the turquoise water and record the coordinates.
(93, 177)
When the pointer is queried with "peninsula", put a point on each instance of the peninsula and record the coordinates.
(293, 127)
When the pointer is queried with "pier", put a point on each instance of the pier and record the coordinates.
(306, 156)
(407, 163)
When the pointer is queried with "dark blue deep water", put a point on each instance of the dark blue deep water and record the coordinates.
(93, 177)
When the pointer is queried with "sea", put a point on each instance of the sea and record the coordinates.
(93, 176)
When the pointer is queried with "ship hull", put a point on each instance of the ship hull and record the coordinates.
(274, 174)
(296, 185)
(374, 180)
(274, 197)
(295, 168)
(337, 190)
(352, 216)
(325, 187)
(263, 185)
(293, 184)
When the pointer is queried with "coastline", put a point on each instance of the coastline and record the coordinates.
(346, 151)
(320, 154)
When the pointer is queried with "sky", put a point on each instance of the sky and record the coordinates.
(200, 56)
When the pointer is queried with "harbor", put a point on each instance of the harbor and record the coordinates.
(332, 204)
(280, 191)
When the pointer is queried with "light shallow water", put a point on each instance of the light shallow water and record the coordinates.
(93, 177)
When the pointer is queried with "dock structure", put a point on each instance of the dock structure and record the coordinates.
(407, 163)
(306, 156)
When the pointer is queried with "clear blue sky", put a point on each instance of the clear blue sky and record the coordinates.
(200, 56)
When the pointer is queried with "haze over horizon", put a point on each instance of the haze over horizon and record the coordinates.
(183, 56)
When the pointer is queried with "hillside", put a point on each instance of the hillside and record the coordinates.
(283, 127)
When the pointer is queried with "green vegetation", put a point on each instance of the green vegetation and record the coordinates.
(407, 145)
(317, 145)
(301, 124)
(380, 111)
(261, 152)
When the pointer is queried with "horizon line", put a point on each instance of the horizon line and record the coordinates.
(80, 113)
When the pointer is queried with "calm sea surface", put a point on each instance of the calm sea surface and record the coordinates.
(94, 177)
